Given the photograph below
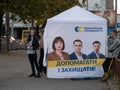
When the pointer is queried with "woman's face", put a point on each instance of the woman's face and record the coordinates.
(32, 32)
(59, 45)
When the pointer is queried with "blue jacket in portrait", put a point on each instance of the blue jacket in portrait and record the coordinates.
(92, 55)
(74, 57)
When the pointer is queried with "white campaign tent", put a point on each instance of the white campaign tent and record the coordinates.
(74, 23)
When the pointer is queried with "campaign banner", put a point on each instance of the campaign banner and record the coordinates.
(76, 50)
(75, 68)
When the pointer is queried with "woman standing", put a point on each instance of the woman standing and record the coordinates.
(32, 45)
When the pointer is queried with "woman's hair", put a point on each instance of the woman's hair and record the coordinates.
(29, 37)
(56, 40)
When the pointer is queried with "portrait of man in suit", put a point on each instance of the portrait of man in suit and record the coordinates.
(96, 53)
(77, 54)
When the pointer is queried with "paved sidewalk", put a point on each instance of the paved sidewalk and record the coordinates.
(14, 70)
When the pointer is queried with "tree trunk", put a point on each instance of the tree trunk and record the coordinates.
(7, 25)
(1, 20)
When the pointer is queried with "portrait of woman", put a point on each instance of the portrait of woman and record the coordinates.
(58, 46)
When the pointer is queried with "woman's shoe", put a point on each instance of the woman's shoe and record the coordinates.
(38, 75)
(31, 75)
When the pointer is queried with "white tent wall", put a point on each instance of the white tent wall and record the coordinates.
(76, 13)
(74, 23)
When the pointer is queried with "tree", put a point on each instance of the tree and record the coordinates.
(32, 10)
(1, 20)
(4, 7)
(40, 10)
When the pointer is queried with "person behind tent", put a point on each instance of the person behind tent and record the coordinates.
(41, 44)
(113, 51)
(118, 35)
(32, 45)
(58, 53)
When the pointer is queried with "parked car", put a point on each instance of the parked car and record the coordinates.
(14, 44)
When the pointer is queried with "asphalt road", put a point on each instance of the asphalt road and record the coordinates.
(14, 70)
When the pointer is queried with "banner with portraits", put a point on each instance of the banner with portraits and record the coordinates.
(75, 48)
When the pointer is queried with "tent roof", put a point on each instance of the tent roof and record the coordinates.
(77, 13)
